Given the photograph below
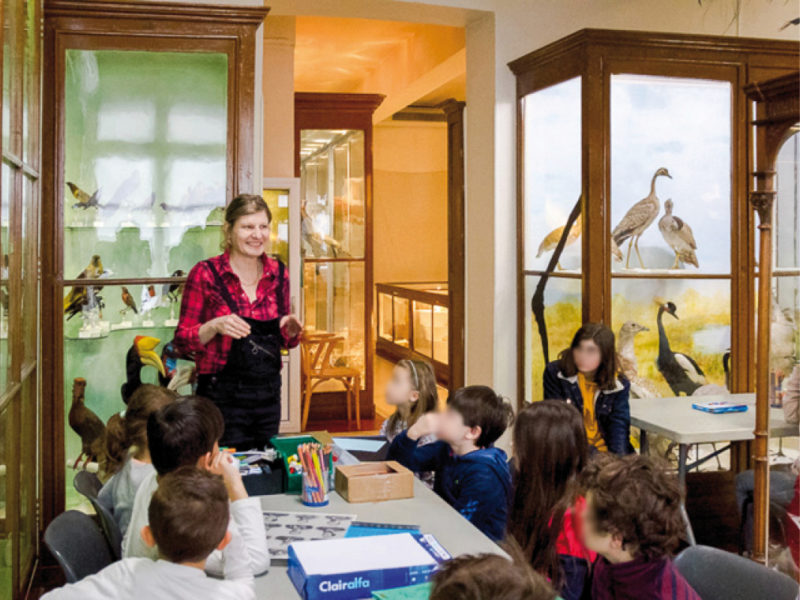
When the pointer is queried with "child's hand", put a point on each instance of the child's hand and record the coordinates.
(425, 425)
(228, 467)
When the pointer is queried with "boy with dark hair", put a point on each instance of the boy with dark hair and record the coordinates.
(633, 521)
(489, 577)
(189, 514)
(470, 473)
(186, 433)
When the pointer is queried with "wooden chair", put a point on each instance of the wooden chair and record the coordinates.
(315, 351)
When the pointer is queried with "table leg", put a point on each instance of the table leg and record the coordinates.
(683, 452)
(644, 443)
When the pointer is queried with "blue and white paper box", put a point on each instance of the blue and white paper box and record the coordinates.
(351, 568)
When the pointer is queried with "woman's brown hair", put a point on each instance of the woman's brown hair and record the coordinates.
(241, 206)
(122, 433)
(423, 381)
(606, 375)
(550, 450)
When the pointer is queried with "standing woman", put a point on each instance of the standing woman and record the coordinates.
(586, 375)
(235, 318)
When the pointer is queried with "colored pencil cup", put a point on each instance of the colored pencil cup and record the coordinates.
(315, 489)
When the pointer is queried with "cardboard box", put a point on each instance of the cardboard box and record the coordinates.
(374, 482)
(350, 568)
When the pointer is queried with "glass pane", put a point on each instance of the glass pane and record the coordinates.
(440, 333)
(333, 192)
(671, 173)
(11, 18)
(552, 172)
(145, 185)
(30, 273)
(694, 324)
(6, 183)
(423, 324)
(385, 329)
(334, 302)
(561, 308)
(27, 453)
(401, 337)
(30, 106)
(6, 536)
(786, 242)
(278, 202)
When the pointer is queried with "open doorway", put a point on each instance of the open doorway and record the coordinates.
(378, 204)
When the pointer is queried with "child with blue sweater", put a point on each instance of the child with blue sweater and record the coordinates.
(471, 474)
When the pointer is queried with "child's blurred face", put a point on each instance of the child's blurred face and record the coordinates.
(452, 429)
(587, 356)
(400, 389)
(594, 540)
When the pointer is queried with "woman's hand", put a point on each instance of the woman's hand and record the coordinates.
(231, 325)
(291, 326)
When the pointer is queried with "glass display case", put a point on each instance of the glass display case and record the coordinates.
(645, 145)
(413, 323)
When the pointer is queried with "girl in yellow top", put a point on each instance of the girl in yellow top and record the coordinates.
(586, 375)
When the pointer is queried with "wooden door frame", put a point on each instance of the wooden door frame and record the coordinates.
(91, 24)
(314, 110)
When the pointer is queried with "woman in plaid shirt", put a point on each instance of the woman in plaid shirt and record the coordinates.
(235, 318)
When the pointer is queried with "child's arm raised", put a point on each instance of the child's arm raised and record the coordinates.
(404, 448)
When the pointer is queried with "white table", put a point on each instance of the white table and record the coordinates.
(675, 419)
(426, 509)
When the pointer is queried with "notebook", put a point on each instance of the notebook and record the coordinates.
(719, 407)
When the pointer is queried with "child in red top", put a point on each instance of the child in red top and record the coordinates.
(550, 450)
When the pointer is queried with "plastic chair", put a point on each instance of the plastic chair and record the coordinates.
(78, 544)
(315, 352)
(89, 485)
(718, 575)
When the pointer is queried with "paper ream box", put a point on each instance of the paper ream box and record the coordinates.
(351, 568)
(374, 482)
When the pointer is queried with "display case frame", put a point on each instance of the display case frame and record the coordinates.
(136, 26)
(595, 56)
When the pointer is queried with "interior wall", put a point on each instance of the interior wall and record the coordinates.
(278, 96)
(409, 201)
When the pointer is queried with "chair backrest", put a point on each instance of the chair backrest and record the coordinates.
(77, 543)
(87, 484)
(316, 351)
(718, 575)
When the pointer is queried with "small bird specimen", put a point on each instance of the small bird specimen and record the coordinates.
(681, 372)
(551, 240)
(638, 218)
(679, 237)
(128, 301)
(628, 363)
(86, 424)
(79, 296)
(84, 200)
(172, 291)
(149, 299)
(141, 354)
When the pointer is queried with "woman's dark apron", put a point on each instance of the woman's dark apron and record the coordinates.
(248, 388)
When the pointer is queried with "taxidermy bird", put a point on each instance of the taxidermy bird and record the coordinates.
(726, 367)
(128, 301)
(84, 200)
(141, 354)
(682, 373)
(781, 342)
(150, 299)
(628, 364)
(551, 240)
(638, 218)
(679, 237)
(318, 242)
(171, 291)
(78, 296)
(86, 424)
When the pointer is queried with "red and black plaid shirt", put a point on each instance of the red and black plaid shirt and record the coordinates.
(202, 301)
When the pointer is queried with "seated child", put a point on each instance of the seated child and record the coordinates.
(633, 521)
(189, 514)
(488, 577)
(127, 455)
(412, 391)
(550, 452)
(186, 432)
(470, 473)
